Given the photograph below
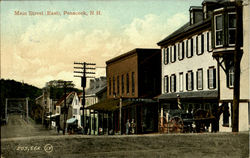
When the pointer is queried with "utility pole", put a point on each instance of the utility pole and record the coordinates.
(84, 73)
(65, 108)
(237, 59)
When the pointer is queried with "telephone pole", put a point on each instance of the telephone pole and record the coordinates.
(237, 59)
(83, 77)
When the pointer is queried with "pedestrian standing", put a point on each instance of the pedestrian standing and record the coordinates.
(127, 127)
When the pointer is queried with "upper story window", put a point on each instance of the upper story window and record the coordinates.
(181, 82)
(180, 51)
(127, 83)
(200, 44)
(199, 75)
(219, 30)
(189, 81)
(133, 83)
(173, 83)
(166, 84)
(187, 48)
(75, 111)
(208, 42)
(109, 86)
(122, 84)
(118, 85)
(211, 73)
(166, 55)
(231, 28)
(113, 85)
(231, 77)
(58, 110)
(172, 53)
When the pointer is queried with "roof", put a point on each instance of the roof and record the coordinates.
(182, 30)
(96, 90)
(211, 94)
(134, 51)
(113, 104)
(195, 8)
(61, 100)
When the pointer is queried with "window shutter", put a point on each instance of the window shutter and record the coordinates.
(186, 81)
(214, 79)
(197, 80)
(167, 56)
(175, 83)
(192, 81)
(164, 55)
(208, 78)
(227, 78)
(192, 47)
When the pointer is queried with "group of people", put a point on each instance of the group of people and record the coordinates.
(130, 127)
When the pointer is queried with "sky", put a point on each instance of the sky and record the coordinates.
(38, 48)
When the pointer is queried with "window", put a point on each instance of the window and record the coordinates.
(75, 112)
(190, 53)
(133, 83)
(109, 86)
(189, 81)
(166, 55)
(231, 77)
(200, 44)
(231, 28)
(174, 56)
(118, 85)
(122, 84)
(166, 84)
(187, 47)
(218, 30)
(180, 51)
(173, 83)
(181, 82)
(127, 83)
(208, 42)
(58, 110)
(211, 78)
(113, 85)
(199, 75)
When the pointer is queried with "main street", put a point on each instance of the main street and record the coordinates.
(49, 144)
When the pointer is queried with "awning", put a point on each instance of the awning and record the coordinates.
(114, 104)
(52, 116)
(213, 94)
(71, 120)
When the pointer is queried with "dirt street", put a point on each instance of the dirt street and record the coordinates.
(206, 145)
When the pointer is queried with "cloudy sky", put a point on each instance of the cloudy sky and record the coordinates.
(37, 49)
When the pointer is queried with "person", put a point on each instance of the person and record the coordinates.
(133, 127)
(127, 127)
